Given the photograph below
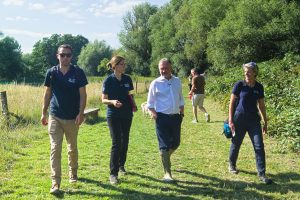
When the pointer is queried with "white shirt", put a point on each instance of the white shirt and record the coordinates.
(165, 95)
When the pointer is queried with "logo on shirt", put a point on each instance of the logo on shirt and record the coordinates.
(126, 85)
(71, 80)
(255, 92)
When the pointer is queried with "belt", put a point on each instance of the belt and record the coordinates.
(170, 115)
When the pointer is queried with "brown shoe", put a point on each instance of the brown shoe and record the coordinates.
(55, 189)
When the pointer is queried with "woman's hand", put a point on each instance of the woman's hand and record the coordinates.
(232, 127)
(117, 103)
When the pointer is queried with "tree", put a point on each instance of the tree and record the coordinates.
(10, 59)
(163, 38)
(255, 31)
(135, 37)
(102, 68)
(91, 56)
(44, 51)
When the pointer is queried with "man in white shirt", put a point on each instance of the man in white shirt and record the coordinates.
(166, 104)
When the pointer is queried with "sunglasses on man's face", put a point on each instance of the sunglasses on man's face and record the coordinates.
(68, 55)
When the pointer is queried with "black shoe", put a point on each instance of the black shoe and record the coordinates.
(122, 170)
(265, 179)
(232, 169)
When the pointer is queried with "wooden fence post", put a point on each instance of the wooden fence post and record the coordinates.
(4, 106)
(136, 85)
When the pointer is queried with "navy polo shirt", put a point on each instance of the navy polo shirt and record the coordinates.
(249, 96)
(118, 90)
(65, 99)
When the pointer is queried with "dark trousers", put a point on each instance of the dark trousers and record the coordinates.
(245, 122)
(168, 129)
(119, 131)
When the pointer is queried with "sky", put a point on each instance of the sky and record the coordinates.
(28, 21)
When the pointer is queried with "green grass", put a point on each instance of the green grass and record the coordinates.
(199, 165)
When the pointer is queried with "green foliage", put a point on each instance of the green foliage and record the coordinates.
(102, 68)
(43, 55)
(255, 30)
(11, 66)
(134, 38)
(282, 90)
(92, 54)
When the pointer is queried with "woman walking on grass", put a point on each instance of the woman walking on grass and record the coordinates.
(250, 95)
(116, 94)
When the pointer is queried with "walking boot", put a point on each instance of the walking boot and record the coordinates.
(165, 158)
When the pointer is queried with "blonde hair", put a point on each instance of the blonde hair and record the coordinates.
(114, 61)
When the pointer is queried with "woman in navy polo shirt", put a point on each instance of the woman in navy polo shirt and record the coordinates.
(116, 94)
(246, 118)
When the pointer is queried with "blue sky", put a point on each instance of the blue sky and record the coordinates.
(28, 21)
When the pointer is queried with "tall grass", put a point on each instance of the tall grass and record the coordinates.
(25, 107)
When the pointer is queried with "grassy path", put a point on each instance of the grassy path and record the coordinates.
(199, 165)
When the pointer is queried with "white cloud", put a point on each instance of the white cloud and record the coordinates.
(16, 18)
(25, 33)
(112, 8)
(13, 2)
(36, 6)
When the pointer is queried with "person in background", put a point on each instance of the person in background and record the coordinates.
(197, 93)
(65, 92)
(117, 95)
(246, 118)
(166, 104)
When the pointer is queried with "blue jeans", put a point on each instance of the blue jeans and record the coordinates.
(119, 131)
(168, 129)
(247, 122)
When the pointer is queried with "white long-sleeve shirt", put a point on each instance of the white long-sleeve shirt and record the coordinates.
(165, 95)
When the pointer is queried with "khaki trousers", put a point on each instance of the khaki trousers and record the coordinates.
(57, 128)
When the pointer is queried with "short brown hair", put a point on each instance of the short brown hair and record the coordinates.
(64, 46)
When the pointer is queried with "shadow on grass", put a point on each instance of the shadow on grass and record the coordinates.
(126, 193)
(240, 189)
(198, 185)
(92, 121)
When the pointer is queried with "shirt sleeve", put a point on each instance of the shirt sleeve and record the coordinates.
(261, 92)
(181, 99)
(236, 88)
(48, 77)
(82, 78)
(151, 95)
(105, 88)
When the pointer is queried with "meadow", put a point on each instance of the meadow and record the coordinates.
(199, 165)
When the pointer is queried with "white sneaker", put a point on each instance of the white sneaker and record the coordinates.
(195, 121)
(207, 117)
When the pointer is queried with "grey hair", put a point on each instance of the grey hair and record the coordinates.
(165, 60)
(251, 65)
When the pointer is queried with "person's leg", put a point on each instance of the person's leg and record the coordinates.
(56, 138)
(125, 124)
(201, 107)
(165, 143)
(71, 132)
(236, 141)
(175, 132)
(115, 133)
(194, 105)
(255, 133)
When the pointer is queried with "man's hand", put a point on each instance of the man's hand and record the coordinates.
(44, 120)
(79, 119)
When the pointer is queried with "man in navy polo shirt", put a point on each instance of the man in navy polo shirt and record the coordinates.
(65, 92)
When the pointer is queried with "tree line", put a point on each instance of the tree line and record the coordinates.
(217, 34)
